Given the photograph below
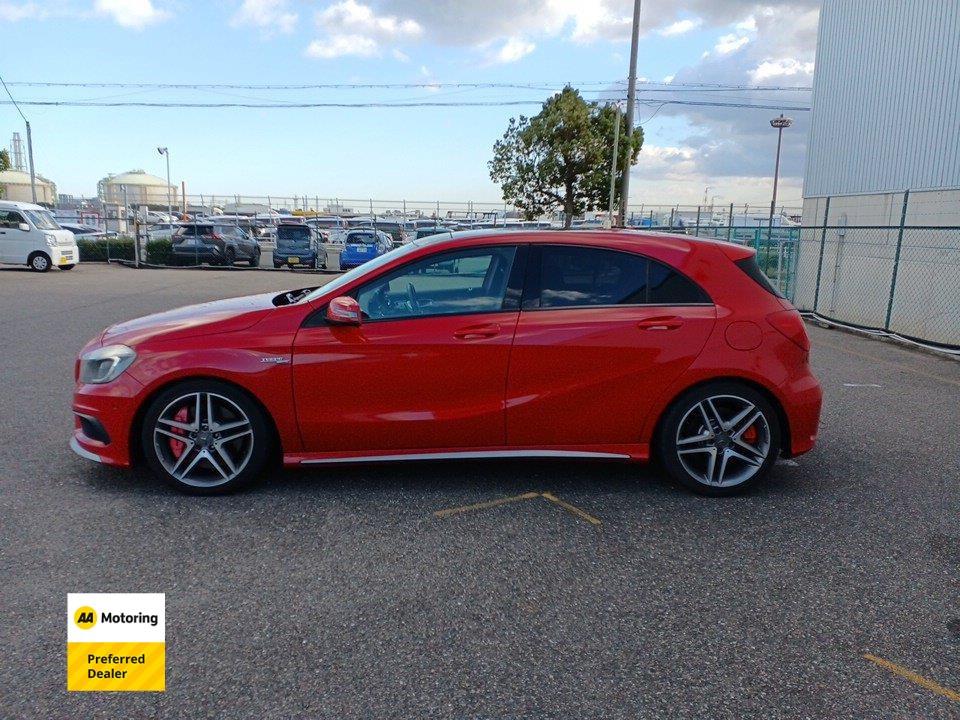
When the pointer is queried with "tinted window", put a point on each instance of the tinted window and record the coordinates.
(293, 234)
(466, 281)
(668, 287)
(579, 276)
(366, 238)
(192, 230)
(582, 277)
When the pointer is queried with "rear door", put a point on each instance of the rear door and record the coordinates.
(601, 333)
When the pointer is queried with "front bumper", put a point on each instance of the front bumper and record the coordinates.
(64, 255)
(113, 407)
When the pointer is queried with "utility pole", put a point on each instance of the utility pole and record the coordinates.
(166, 151)
(33, 174)
(631, 99)
(613, 161)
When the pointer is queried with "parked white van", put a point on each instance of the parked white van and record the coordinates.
(30, 236)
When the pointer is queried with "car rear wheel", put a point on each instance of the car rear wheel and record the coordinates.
(719, 439)
(205, 437)
(229, 256)
(39, 262)
(255, 258)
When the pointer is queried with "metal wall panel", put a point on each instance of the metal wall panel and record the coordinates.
(886, 98)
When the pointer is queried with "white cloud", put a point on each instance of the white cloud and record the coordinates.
(342, 46)
(680, 27)
(513, 49)
(400, 56)
(353, 28)
(782, 68)
(727, 44)
(136, 14)
(269, 15)
(12, 12)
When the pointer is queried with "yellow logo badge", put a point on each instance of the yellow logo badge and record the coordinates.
(85, 617)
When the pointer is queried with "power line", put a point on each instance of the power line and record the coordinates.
(653, 86)
(317, 105)
(12, 101)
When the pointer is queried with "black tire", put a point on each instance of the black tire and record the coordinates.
(686, 419)
(39, 262)
(276, 265)
(203, 479)
(229, 257)
(67, 267)
(255, 258)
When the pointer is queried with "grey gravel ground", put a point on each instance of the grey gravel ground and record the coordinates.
(338, 594)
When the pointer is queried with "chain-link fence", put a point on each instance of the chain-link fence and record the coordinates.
(901, 278)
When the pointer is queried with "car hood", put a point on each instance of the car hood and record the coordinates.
(219, 316)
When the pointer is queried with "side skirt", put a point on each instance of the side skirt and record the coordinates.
(631, 452)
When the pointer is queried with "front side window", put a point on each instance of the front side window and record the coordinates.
(454, 283)
(10, 219)
(572, 276)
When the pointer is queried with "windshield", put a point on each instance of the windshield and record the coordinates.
(293, 235)
(367, 238)
(368, 267)
(42, 219)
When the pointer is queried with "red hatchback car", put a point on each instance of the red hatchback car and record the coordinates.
(613, 344)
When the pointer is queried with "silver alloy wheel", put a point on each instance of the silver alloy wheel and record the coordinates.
(723, 440)
(213, 435)
(40, 262)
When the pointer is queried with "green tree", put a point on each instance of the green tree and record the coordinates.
(4, 160)
(560, 158)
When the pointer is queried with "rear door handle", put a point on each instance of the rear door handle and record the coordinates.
(477, 332)
(664, 322)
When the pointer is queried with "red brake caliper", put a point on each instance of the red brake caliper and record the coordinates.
(750, 435)
(177, 447)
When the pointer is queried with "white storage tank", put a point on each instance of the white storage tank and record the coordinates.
(15, 185)
(141, 188)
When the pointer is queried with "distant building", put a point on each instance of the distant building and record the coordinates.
(141, 189)
(15, 185)
(886, 113)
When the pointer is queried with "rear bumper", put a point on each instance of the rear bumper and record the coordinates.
(112, 407)
(802, 399)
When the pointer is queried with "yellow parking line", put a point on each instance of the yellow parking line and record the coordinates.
(484, 505)
(913, 677)
(570, 508)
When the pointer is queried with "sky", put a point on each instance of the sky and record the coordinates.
(415, 153)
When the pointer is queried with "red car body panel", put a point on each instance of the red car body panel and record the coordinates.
(591, 380)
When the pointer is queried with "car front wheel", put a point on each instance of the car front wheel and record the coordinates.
(39, 262)
(719, 439)
(67, 267)
(205, 437)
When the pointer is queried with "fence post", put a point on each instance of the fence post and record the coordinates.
(896, 259)
(671, 218)
(823, 243)
(698, 222)
(730, 222)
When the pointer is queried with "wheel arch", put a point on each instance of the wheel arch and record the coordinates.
(136, 450)
(34, 253)
(782, 419)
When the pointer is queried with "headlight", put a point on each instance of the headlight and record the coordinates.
(51, 240)
(105, 364)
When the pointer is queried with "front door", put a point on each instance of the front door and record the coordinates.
(427, 367)
(15, 244)
(601, 335)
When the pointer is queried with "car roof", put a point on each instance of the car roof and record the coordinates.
(15, 204)
(617, 238)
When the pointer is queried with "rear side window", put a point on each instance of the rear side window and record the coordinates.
(753, 271)
(571, 276)
(193, 230)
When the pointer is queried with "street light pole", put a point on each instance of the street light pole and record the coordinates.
(779, 123)
(613, 161)
(166, 151)
(631, 99)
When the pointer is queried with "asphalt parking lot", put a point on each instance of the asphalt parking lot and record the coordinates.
(421, 591)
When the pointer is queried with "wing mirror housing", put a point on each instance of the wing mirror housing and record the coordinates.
(24, 227)
(344, 310)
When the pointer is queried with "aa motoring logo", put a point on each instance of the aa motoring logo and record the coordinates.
(86, 617)
(116, 642)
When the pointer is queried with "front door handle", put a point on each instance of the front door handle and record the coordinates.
(663, 322)
(477, 332)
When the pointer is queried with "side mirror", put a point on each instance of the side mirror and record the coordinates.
(344, 310)
(24, 227)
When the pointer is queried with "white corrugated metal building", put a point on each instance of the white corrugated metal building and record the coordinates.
(886, 119)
